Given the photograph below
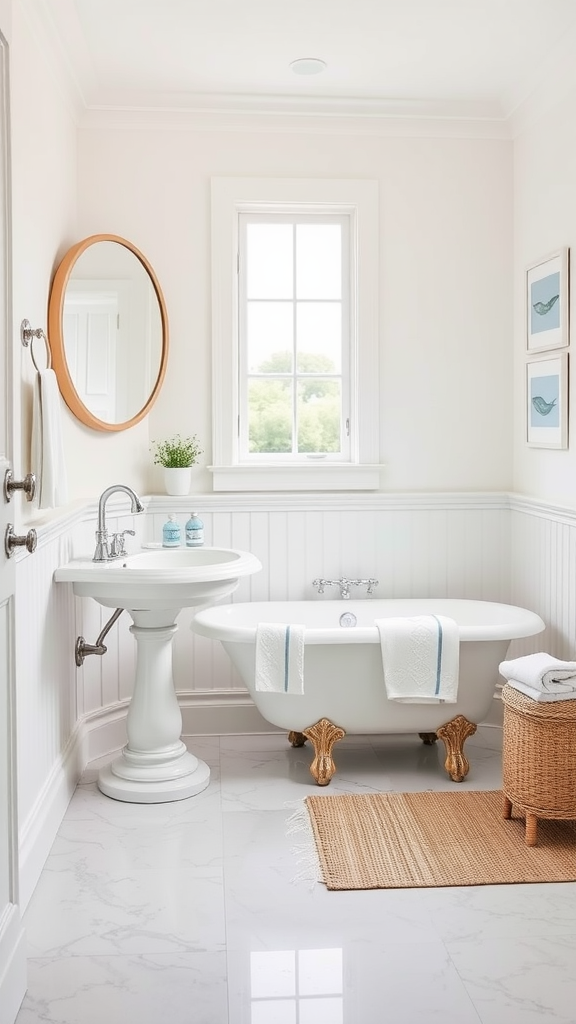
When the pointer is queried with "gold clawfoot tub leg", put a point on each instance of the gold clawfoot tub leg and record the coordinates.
(454, 734)
(297, 739)
(323, 735)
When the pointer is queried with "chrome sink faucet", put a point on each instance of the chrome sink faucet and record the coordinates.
(106, 550)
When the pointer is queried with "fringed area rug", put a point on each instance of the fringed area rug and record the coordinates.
(410, 840)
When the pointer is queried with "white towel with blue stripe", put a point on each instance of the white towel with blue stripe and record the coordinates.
(420, 658)
(280, 657)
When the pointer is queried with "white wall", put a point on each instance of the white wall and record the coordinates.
(544, 220)
(446, 315)
(44, 173)
(44, 186)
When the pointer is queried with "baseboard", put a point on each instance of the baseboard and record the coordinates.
(38, 831)
(221, 712)
(12, 965)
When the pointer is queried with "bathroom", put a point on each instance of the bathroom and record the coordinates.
(462, 506)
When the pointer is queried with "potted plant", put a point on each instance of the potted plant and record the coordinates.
(177, 455)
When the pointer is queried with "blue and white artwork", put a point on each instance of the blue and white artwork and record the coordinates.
(547, 401)
(544, 401)
(545, 304)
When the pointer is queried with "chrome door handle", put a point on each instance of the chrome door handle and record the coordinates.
(28, 485)
(12, 541)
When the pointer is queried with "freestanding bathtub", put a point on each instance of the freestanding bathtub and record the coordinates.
(344, 687)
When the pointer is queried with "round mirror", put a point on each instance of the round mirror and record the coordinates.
(108, 332)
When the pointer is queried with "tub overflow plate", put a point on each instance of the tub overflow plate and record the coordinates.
(347, 619)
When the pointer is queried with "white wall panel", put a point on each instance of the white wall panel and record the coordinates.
(45, 675)
(543, 561)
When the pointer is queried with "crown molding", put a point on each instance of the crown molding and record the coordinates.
(286, 122)
(315, 106)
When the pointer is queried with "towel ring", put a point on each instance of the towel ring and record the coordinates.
(27, 336)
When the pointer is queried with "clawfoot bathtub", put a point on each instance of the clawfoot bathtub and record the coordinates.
(343, 677)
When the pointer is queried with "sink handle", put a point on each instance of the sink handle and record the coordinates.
(118, 545)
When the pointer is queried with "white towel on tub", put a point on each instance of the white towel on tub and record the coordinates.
(280, 657)
(420, 658)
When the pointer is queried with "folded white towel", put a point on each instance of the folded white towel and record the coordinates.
(48, 461)
(280, 657)
(541, 695)
(420, 658)
(541, 672)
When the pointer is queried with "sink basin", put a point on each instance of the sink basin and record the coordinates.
(148, 580)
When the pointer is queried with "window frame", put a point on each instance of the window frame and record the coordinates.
(358, 199)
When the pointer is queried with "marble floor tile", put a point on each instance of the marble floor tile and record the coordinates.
(527, 981)
(133, 911)
(185, 988)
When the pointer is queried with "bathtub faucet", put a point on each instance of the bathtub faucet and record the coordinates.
(344, 583)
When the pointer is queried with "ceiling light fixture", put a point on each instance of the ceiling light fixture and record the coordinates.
(308, 66)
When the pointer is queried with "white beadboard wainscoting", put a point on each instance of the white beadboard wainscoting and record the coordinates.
(485, 546)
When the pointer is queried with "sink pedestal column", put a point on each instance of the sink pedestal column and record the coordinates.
(154, 766)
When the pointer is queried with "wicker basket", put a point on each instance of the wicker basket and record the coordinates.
(539, 758)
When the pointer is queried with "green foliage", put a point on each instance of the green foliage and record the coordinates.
(270, 406)
(177, 452)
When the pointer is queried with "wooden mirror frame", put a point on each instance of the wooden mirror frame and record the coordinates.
(56, 335)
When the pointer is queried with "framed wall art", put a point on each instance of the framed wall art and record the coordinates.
(547, 401)
(547, 302)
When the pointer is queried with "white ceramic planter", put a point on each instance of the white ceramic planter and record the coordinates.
(177, 481)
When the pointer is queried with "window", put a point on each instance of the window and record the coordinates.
(294, 328)
(295, 368)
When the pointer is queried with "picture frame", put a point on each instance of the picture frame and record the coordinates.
(547, 302)
(547, 401)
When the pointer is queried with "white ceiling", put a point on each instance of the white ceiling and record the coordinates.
(473, 58)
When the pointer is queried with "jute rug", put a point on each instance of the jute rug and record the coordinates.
(409, 840)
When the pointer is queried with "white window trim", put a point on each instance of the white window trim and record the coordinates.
(229, 197)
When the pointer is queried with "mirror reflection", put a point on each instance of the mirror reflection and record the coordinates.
(107, 328)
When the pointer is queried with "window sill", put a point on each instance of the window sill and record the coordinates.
(325, 476)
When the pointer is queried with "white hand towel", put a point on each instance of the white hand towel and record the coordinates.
(420, 658)
(280, 657)
(541, 672)
(48, 462)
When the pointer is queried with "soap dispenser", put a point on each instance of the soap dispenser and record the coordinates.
(171, 533)
(194, 531)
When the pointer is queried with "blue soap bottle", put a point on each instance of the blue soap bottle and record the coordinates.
(194, 531)
(171, 533)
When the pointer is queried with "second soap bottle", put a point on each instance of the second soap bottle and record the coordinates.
(194, 531)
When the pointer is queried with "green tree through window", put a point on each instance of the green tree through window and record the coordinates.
(272, 405)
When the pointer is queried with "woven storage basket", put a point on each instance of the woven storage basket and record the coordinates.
(539, 755)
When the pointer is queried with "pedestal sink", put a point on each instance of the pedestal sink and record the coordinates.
(153, 586)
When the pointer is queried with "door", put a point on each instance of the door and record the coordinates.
(91, 326)
(12, 946)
